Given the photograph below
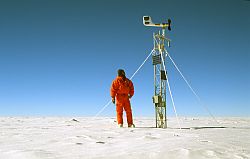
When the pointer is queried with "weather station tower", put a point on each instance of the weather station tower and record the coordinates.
(160, 73)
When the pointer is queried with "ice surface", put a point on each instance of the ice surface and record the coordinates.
(100, 138)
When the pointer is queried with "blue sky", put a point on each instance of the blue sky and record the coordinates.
(59, 58)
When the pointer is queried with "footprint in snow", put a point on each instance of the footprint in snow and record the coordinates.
(100, 142)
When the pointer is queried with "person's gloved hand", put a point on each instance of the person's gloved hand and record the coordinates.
(113, 100)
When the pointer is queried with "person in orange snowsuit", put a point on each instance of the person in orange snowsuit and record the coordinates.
(122, 89)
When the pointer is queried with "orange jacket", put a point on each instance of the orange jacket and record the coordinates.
(121, 86)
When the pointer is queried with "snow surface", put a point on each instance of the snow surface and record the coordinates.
(100, 138)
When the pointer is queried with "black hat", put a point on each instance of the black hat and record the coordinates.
(121, 72)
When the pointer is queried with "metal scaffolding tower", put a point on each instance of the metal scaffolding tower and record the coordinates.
(158, 57)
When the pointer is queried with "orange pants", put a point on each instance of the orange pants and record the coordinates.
(122, 102)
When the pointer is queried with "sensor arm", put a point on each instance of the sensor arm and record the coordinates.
(147, 21)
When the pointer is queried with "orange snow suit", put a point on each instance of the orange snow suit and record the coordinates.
(122, 89)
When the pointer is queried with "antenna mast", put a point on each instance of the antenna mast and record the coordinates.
(158, 57)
